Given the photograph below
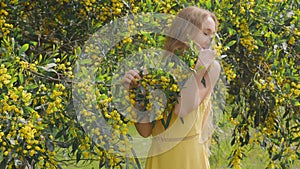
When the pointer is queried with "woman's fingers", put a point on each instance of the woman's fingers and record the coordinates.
(130, 77)
(134, 76)
(208, 53)
(127, 78)
(134, 73)
(207, 57)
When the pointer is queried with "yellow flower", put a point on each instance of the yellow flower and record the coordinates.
(37, 148)
(5, 153)
(32, 152)
(4, 12)
(271, 166)
(118, 10)
(292, 40)
(242, 9)
(85, 154)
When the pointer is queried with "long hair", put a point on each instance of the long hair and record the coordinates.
(186, 24)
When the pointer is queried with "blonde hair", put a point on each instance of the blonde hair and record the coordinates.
(186, 24)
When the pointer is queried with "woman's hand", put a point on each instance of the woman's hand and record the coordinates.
(130, 78)
(205, 58)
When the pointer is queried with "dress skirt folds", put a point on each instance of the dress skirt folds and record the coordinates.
(182, 145)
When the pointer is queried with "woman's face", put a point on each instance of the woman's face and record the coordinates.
(204, 37)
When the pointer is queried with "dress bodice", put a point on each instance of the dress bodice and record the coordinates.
(194, 125)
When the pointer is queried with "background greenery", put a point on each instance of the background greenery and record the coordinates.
(41, 41)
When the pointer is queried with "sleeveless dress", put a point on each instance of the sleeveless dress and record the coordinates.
(181, 145)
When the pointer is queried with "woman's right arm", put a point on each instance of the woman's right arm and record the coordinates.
(194, 91)
(144, 127)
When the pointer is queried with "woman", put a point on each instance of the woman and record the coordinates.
(184, 144)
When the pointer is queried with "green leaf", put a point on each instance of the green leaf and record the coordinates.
(231, 43)
(208, 4)
(34, 86)
(23, 49)
(60, 133)
(269, 55)
(34, 43)
(64, 57)
(78, 51)
(259, 43)
(85, 61)
(40, 58)
(75, 146)
(171, 64)
(231, 31)
(40, 127)
(200, 68)
(232, 141)
(167, 122)
(149, 4)
(78, 155)
(277, 156)
(62, 144)
(31, 110)
(13, 80)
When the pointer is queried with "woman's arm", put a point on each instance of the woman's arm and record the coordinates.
(194, 91)
(144, 129)
(212, 75)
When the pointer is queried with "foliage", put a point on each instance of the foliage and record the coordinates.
(141, 97)
(41, 40)
(33, 106)
(265, 92)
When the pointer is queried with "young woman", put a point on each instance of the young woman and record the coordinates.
(184, 144)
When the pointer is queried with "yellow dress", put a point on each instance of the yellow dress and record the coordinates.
(180, 145)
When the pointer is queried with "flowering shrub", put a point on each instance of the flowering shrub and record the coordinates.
(31, 107)
(41, 40)
(265, 91)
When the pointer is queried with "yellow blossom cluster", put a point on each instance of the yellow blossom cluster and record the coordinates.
(237, 156)
(5, 78)
(22, 132)
(247, 40)
(111, 9)
(230, 73)
(142, 97)
(55, 102)
(5, 27)
(23, 103)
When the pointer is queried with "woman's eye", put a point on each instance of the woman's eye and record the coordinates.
(205, 34)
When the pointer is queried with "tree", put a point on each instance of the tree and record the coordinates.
(42, 40)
